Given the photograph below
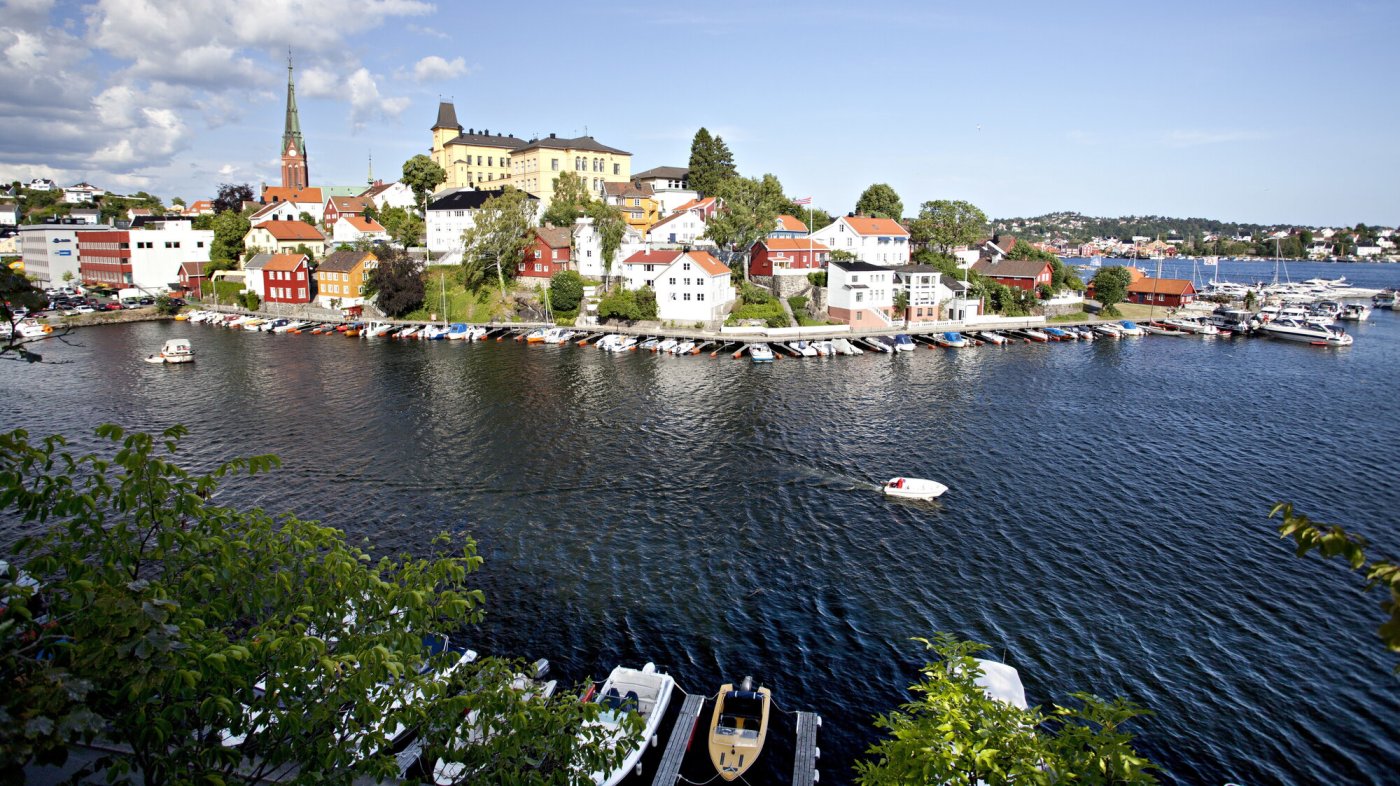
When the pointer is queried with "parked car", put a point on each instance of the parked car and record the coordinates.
(113, 306)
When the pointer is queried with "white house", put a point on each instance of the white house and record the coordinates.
(387, 195)
(147, 259)
(1368, 250)
(682, 228)
(860, 294)
(253, 270)
(877, 241)
(87, 215)
(79, 193)
(670, 187)
(453, 212)
(276, 211)
(691, 286)
(41, 184)
(933, 296)
(352, 228)
(9, 213)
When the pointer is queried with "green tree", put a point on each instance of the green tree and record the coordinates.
(231, 197)
(403, 226)
(565, 290)
(571, 200)
(17, 291)
(945, 224)
(251, 301)
(229, 230)
(711, 163)
(396, 282)
(953, 732)
(621, 303)
(1111, 287)
(1329, 541)
(165, 305)
(162, 622)
(423, 175)
(880, 201)
(608, 223)
(842, 255)
(749, 209)
(497, 238)
(646, 303)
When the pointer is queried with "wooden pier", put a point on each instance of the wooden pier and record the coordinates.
(669, 770)
(804, 759)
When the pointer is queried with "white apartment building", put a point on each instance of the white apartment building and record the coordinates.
(877, 241)
(147, 259)
(50, 250)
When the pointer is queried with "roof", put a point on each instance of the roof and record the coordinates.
(377, 189)
(447, 116)
(664, 173)
(467, 199)
(695, 204)
(194, 269)
(485, 138)
(553, 142)
(284, 194)
(201, 204)
(291, 230)
(913, 269)
(555, 237)
(791, 244)
(268, 209)
(628, 189)
(652, 258)
(348, 204)
(875, 226)
(344, 261)
(256, 261)
(1011, 268)
(668, 219)
(708, 263)
(341, 191)
(363, 224)
(790, 224)
(1162, 286)
(1003, 242)
(284, 262)
(702, 258)
(856, 266)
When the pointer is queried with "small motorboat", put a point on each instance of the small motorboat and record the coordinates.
(1162, 329)
(176, 350)
(666, 345)
(761, 353)
(903, 343)
(684, 348)
(950, 340)
(738, 728)
(1355, 312)
(1130, 328)
(459, 331)
(803, 348)
(627, 344)
(1057, 334)
(536, 336)
(914, 488)
(1034, 335)
(610, 342)
(991, 337)
(845, 347)
(649, 345)
(824, 348)
(644, 691)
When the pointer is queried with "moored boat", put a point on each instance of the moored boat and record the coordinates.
(761, 353)
(644, 691)
(175, 350)
(738, 728)
(1355, 312)
(1130, 328)
(903, 343)
(950, 339)
(1307, 332)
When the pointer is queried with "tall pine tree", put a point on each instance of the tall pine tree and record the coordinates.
(711, 163)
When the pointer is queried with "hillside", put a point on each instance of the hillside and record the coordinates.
(1078, 228)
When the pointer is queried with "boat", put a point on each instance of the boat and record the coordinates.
(1032, 334)
(1355, 312)
(609, 342)
(1109, 329)
(1196, 325)
(287, 326)
(434, 332)
(824, 348)
(459, 331)
(1058, 334)
(1001, 682)
(1385, 299)
(666, 345)
(803, 348)
(1129, 328)
(1307, 332)
(845, 347)
(1162, 329)
(252, 323)
(761, 353)
(684, 348)
(477, 731)
(536, 336)
(649, 344)
(646, 692)
(627, 343)
(479, 333)
(914, 488)
(176, 350)
(951, 340)
(991, 336)
(738, 728)
(903, 343)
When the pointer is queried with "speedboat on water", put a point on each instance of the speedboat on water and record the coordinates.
(803, 348)
(644, 691)
(176, 350)
(1355, 312)
(1130, 328)
(991, 336)
(684, 348)
(761, 353)
(1307, 332)
(903, 343)
(738, 728)
(914, 488)
(950, 339)
(845, 347)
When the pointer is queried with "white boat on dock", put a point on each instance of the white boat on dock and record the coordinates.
(761, 353)
(644, 691)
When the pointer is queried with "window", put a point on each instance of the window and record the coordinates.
(199, 244)
(685, 266)
(554, 164)
(478, 160)
(687, 281)
(301, 293)
(700, 296)
(855, 279)
(537, 253)
(636, 203)
(489, 161)
(617, 169)
(671, 280)
(687, 296)
(860, 297)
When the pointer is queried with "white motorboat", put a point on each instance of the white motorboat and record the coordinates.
(914, 488)
(1307, 332)
(253, 324)
(667, 345)
(846, 347)
(434, 332)
(950, 339)
(1355, 312)
(610, 342)
(1130, 328)
(684, 348)
(903, 343)
(1001, 682)
(176, 350)
(803, 348)
(1109, 329)
(991, 337)
(1192, 325)
(627, 343)
(761, 353)
(478, 333)
(644, 691)
(824, 348)
(478, 730)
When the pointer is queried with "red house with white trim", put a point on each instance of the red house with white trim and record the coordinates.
(547, 254)
(338, 206)
(1025, 274)
(287, 279)
(786, 254)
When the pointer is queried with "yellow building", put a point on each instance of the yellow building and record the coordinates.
(340, 280)
(636, 203)
(471, 158)
(481, 160)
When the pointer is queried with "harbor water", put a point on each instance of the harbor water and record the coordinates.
(1106, 528)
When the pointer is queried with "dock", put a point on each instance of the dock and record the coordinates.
(804, 759)
(669, 770)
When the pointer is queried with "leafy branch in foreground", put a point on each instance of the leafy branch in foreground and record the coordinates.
(954, 732)
(1330, 541)
(202, 643)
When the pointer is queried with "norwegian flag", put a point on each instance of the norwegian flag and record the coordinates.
(802, 201)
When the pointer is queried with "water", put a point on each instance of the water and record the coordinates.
(1366, 275)
(1106, 528)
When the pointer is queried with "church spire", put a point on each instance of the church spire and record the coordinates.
(294, 168)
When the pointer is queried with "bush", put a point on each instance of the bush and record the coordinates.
(1043, 292)
(165, 306)
(621, 303)
(817, 277)
(565, 290)
(251, 301)
(755, 296)
(646, 303)
(797, 302)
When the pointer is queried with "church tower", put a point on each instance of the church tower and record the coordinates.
(294, 171)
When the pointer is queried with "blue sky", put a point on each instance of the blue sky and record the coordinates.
(1261, 112)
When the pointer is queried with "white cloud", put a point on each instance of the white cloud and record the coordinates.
(1197, 137)
(433, 67)
(365, 102)
(318, 83)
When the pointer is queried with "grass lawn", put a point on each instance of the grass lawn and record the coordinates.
(462, 306)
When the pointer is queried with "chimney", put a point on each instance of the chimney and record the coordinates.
(551, 135)
(486, 132)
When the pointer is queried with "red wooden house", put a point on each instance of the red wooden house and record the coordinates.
(547, 254)
(1171, 292)
(336, 207)
(192, 278)
(787, 253)
(1026, 274)
(287, 279)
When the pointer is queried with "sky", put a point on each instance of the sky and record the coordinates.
(1277, 112)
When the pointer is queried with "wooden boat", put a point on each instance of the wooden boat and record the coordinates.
(914, 488)
(738, 728)
(645, 691)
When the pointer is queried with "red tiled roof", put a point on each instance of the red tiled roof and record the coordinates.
(696, 203)
(791, 224)
(363, 224)
(707, 262)
(1162, 286)
(875, 226)
(290, 230)
(652, 258)
(283, 194)
(555, 237)
(285, 262)
(344, 204)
